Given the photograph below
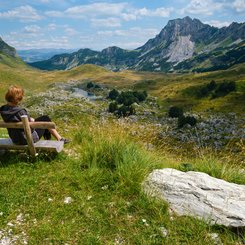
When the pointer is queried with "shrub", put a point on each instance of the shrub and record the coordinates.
(124, 111)
(141, 96)
(113, 94)
(191, 120)
(113, 106)
(212, 85)
(182, 120)
(224, 88)
(175, 111)
(90, 85)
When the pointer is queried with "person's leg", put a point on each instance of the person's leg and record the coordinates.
(43, 132)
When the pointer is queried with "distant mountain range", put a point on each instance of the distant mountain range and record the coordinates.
(183, 45)
(34, 55)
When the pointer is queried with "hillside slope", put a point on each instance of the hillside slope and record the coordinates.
(182, 45)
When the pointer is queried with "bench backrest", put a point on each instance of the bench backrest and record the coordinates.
(42, 125)
(26, 125)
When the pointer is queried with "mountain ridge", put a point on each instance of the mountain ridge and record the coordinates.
(183, 45)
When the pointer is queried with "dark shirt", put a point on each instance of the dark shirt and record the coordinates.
(13, 114)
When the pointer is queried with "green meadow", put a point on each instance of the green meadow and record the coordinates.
(91, 193)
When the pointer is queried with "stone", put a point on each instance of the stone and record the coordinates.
(200, 195)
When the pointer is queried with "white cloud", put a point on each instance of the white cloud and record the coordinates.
(100, 12)
(54, 14)
(32, 29)
(239, 6)
(159, 12)
(52, 27)
(23, 13)
(97, 9)
(217, 23)
(132, 32)
(109, 22)
(70, 31)
(200, 7)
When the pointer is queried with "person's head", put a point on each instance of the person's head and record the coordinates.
(14, 94)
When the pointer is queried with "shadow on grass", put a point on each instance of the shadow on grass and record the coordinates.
(13, 157)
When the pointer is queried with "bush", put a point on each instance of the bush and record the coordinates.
(113, 94)
(125, 111)
(224, 89)
(212, 85)
(113, 106)
(175, 111)
(182, 120)
(191, 120)
(90, 85)
(126, 99)
(141, 96)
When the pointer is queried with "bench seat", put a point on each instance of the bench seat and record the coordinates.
(47, 145)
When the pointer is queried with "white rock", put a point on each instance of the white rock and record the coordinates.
(67, 200)
(216, 239)
(199, 195)
(164, 231)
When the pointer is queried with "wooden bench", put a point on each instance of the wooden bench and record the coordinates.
(48, 145)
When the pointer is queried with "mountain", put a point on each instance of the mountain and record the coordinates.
(33, 55)
(182, 45)
(8, 56)
(5, 49)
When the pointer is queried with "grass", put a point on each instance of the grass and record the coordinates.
(102, 169)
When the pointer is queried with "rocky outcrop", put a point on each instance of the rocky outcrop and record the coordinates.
(6, 49)
(199, 195)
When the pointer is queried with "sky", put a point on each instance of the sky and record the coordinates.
(98, 24)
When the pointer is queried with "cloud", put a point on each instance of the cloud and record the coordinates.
(132, 32)
(97, 9)
(217, 23)
(53, 42)
(32, 29)
(109, 22)
(101, 12)
(54, 14)
(70, 31)
(200, 7)
(127, 38)
(23, 13)
(239, 6)
(52, 27)
(159, 12)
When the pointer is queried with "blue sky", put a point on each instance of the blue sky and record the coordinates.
(98, 24)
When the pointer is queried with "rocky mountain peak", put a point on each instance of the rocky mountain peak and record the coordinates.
(6, 49)
(181, 27)
(111, 51)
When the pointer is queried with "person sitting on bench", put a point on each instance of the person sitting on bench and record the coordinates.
(12, 112)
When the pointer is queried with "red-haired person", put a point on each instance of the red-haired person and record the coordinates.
(12, 112)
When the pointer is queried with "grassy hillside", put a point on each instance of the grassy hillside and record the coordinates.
(169, 88)
(91, 193)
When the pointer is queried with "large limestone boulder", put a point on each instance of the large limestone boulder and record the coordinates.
(200, 195)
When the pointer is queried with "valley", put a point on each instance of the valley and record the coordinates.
(91, 193)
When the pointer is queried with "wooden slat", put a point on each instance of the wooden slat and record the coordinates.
(48, 145)
(51, 145)
(28, 134)
(42, 125)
